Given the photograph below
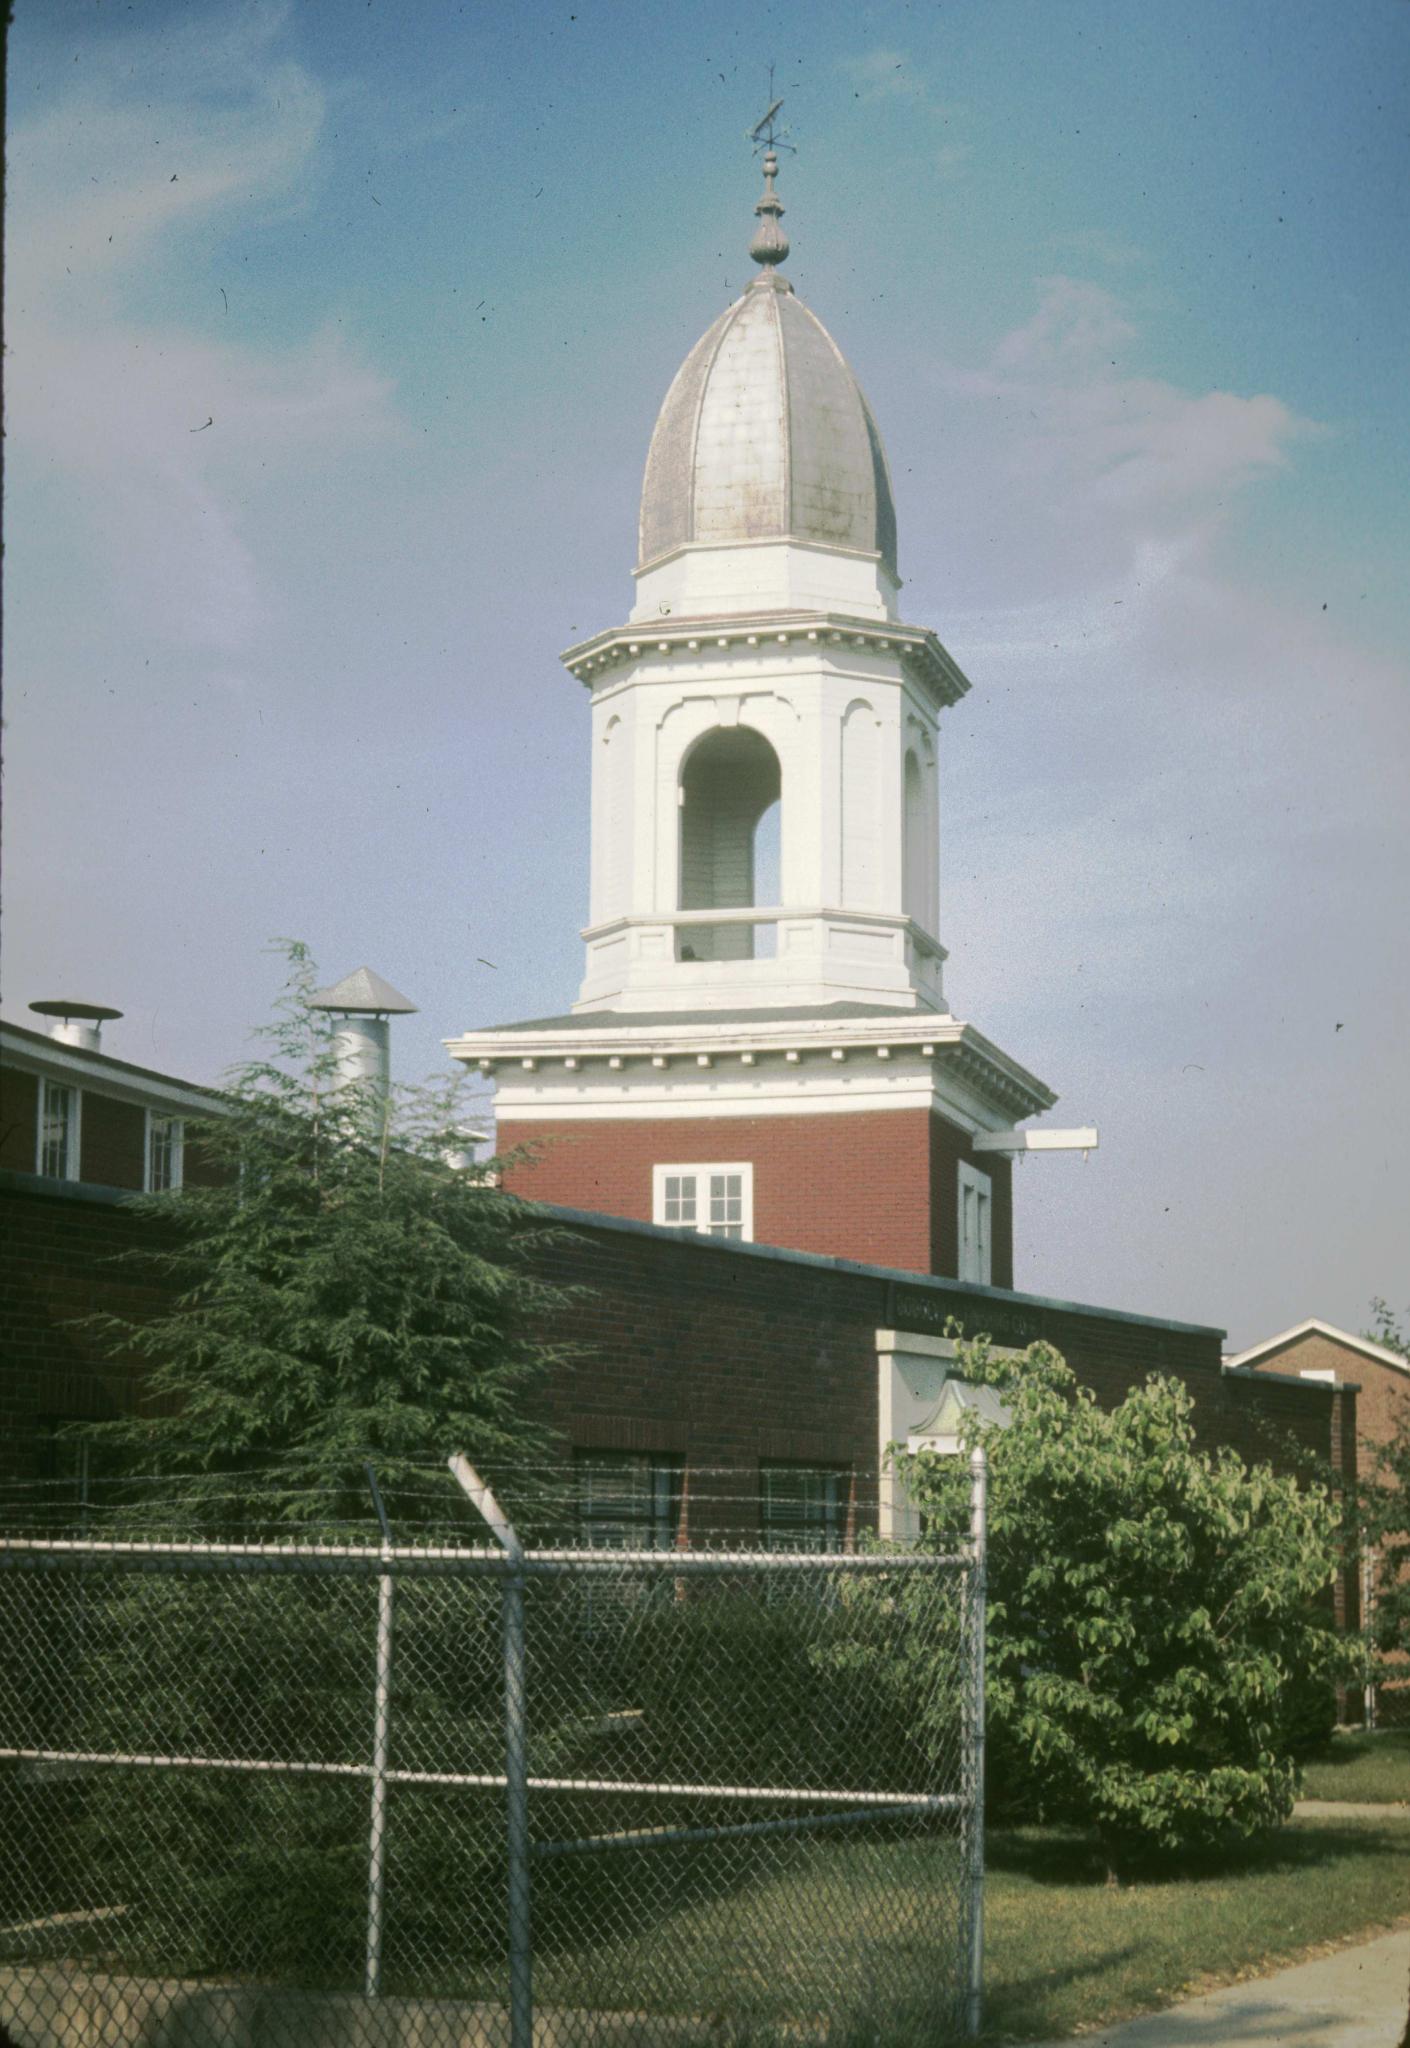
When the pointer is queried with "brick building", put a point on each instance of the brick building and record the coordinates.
(1314, 1350)
(80, 1131)
(783, 1163)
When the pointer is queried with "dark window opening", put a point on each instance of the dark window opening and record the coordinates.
(730, 822)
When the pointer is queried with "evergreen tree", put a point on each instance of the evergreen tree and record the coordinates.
(338, 1290)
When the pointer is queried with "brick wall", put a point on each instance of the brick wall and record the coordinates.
(725, 1355)
(878, 1187)
(60, 1267)
(112, 1137)
(949, 1146)
(1383, 1399)
(19, 1116)
(726, 1346)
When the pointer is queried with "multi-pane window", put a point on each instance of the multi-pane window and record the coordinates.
(802, 1507)
(164, 1150)
(627, 1501)
(58, 1131)
(976, 1207)
(716, 1200)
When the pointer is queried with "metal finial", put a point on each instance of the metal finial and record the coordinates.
(770, 243)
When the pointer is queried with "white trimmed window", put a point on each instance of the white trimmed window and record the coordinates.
(57, 1150)
(802, 1507)
(976, 1225)
(718, 1201)
(165, 1150)
(626, 1501)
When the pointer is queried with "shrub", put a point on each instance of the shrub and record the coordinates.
(1153, 1610)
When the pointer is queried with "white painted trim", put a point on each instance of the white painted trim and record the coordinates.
(705, 1094)
(911, 1372)
(981, 1186)
(888, 1341)
(102, 1076)
(73, 1135)
(1314, 1326)
(1083, 1139)
(178, 1149)
(949, 1063)
(698, 1170)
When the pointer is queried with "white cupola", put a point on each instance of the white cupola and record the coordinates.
(765, 727)
(761, 1046)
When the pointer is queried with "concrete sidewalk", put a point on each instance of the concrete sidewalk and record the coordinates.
(1355, 1999)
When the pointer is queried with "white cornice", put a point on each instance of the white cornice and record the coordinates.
(919, 651)
(30, 1052)
(803, 1053)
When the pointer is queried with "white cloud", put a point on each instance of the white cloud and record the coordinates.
(1084, 484)
(1171, 767)
(107, 183)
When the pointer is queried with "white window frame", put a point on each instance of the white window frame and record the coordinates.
(178, 1150)
(700, 1171)
(975, 1262)
(819, 1518)
(73, 1137)
(646, 1487)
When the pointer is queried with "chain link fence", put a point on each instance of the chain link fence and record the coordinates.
(387, 1795)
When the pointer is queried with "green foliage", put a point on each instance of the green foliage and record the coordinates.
(1385, 1520)
(338, 1291)
(1385, 1328)
(1151, 1605)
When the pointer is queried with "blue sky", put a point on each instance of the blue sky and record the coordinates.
(1126, 289)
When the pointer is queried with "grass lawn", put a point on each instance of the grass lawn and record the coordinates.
(1359, 1764)
(1065, 1952)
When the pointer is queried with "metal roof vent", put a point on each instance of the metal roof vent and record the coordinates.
(364, 1004)
(74, 1023)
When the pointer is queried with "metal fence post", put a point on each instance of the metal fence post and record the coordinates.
(978, 1533)
(516, 1759)
(381, 1746)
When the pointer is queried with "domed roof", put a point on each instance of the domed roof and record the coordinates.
(765, 434)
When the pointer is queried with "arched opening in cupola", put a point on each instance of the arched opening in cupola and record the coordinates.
(915, 890)
(730, 827)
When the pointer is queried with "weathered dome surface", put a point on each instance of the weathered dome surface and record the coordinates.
(765, 435)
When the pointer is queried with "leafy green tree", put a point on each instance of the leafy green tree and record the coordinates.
(1150, 1606)
(1385, 1520)
(338, 1290)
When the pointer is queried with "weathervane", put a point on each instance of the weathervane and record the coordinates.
(763, 134)
(770, 244)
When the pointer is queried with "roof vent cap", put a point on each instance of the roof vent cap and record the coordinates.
(75, 1023)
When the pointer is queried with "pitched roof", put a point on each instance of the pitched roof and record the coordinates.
(1314, 1327)
(362, 990)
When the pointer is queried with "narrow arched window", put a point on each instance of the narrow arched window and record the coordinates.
(730, 780)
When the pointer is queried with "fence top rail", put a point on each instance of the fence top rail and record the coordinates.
(474, 1560)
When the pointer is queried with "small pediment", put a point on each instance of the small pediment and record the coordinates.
(940, 1429)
